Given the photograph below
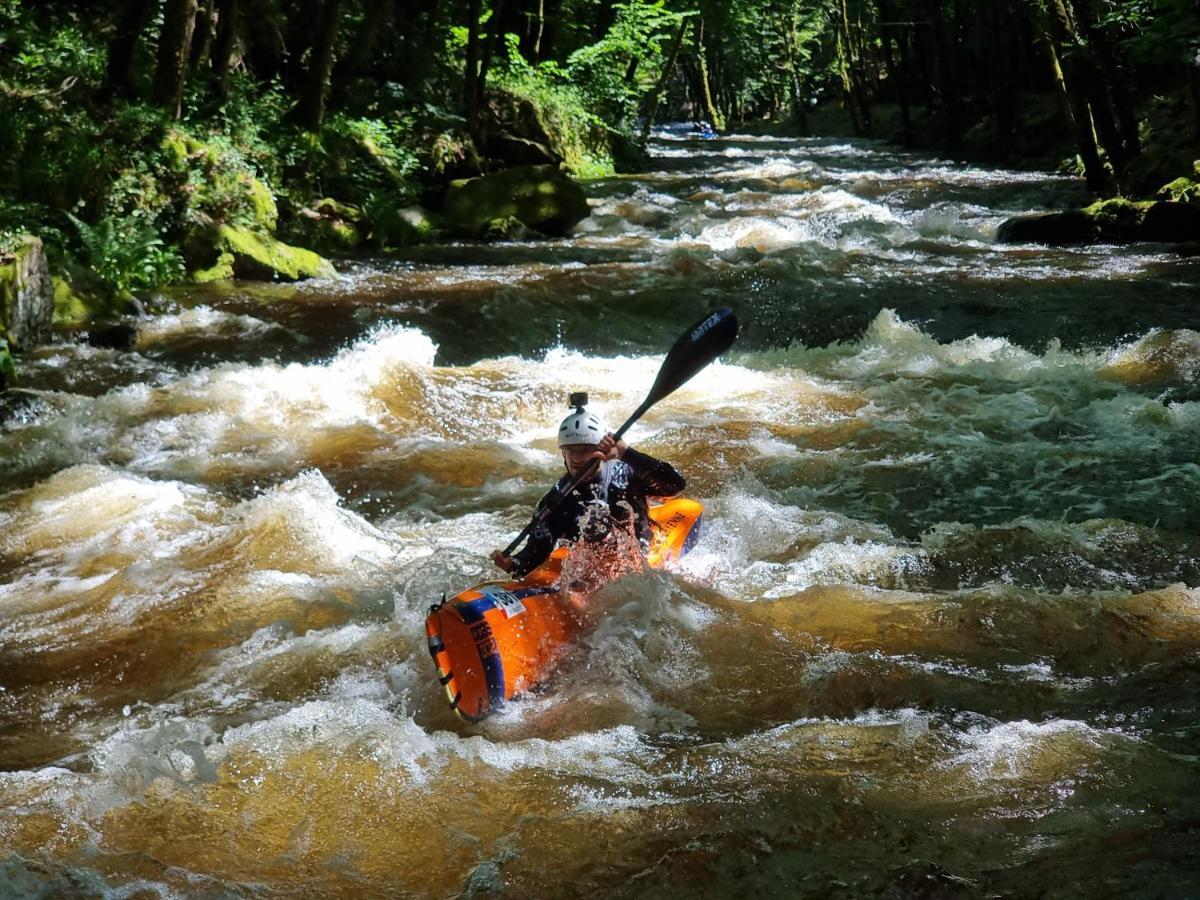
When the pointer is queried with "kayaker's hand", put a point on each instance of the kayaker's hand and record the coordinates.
(503, 561)
(610, 448)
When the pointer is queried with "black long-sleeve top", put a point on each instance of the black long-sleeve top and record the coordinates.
(624, 484)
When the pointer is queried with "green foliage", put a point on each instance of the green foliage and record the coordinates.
(1156, 31)
(8, 368)
(128, 254)
(601, 70)
(562, 108)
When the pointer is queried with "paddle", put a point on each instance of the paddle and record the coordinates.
(695, 349)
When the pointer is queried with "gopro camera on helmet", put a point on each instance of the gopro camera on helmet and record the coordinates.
(578, 400)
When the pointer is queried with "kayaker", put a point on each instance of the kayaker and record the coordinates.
(622, 485)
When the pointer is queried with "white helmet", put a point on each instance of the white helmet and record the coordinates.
(581, 426)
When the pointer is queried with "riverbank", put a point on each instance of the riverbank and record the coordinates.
(1039, 140)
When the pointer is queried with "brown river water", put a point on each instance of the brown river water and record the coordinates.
(941, 636)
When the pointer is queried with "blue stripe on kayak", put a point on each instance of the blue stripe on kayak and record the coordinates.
(693, 536)
(472, 611)
(493, 671)
(533, 592)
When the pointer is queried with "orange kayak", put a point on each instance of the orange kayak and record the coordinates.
(497, 640)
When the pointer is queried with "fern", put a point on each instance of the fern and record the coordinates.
(129, 255)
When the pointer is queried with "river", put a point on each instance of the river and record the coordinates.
(941, 636)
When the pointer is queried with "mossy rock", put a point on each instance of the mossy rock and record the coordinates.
(82, 296)
(1181, 190)
(540, 197)
(326, 226)
(1055, 229)
(1115, 221)
(26, 294)
(241, 253)
(217, 183)
(393, 227)
(8, 368)
(1118, 220)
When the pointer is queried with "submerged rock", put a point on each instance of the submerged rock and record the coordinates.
(539, 197)
(113, 335)
(1116, 221)
(228, 252)
(26, 295)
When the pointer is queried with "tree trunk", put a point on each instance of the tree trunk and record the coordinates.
(266, 50)
(471, 90)
(360, 53)
(179, 21)
(848, 95)
(134, 16)
(668, 67)
(1068, 79)
(606, 14)
(1194, 90)
(1115, 82)
(311, 110)
(548, 29)
(887, 29)
(854, 76)
(206, 19)
(795, 88)
(948, 87)
(490, 45)
(222, 51)
(714, 117)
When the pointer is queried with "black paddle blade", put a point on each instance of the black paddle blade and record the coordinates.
(695, 349)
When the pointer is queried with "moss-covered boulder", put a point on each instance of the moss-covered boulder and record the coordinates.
(1055, 229)
(1117, 221)
(216, 184)
(26, 294)
(540, 197)
(326, 226)
(8, 368)
(515, 133)
(81, 296)
(229, 252)
(1181, 190)
(394, 227)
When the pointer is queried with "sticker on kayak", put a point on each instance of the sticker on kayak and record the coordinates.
(508, 602)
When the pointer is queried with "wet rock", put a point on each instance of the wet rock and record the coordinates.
(228, 252)
(1181, 190)
(516, 135)
(1171, 222)
(393, 227)
(1055, 229)
(18, 405)
(82, 296)
(540, 197)
(8, 368)
(327, 225)
(1116, 221)
(26, 294)
(113, 335)
(929, 881)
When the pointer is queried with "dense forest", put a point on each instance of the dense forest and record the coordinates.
(135, 129)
